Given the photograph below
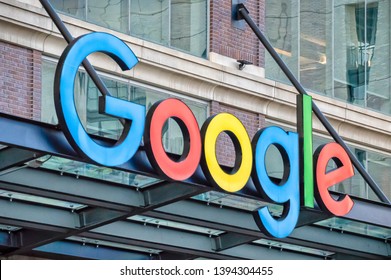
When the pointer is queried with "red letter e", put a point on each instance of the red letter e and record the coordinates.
(324, 180)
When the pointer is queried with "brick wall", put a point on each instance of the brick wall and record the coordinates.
(20, 81)
(227, 40)
(252, 121)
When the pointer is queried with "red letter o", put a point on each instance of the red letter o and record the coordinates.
(165, 165)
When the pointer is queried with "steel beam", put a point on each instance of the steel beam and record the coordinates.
(348, 243)
(25, 237)
(48, 139)
(121, 231)
(7, 240)
(370, 212)
(10, 157)
(242, 222)
(309, 216)
(89, 251)
(172, 239)
(34, 136)
(175, 256)
(229, 240)
(47, 224)
(91, 218)
(68, 249)
(119, 197)
(94, 192)
(157, 246)
(82, 190)
(233, 220)
(17, 213)
(40, 217)
(28, 239)
(165, 191)
(96, 216)
(115, 197)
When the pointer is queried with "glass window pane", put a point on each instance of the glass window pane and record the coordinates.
(379, 166)
(101, 124)
(68, 166)
(274, 163)
(282, 32)
(273, 158)
(180, 24)
(76, 8)
(349, 47)
(355, 185)
(150, 20)
(379, 53)
(110, 14)
(48, 112)
(315, 45)
(172, 134)
(356, 227)
(189, 26)
(239, 202)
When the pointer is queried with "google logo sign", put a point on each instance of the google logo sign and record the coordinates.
(305, 177)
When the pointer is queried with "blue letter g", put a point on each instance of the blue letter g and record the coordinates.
(133, 114)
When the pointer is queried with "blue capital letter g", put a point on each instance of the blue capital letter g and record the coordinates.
(133, 114)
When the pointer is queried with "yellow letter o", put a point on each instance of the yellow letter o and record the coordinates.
(238, 177)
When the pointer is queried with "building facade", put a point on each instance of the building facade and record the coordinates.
(55, 203)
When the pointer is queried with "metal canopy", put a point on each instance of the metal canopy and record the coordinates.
(90, 209)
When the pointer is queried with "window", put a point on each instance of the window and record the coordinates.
(179, 24)
(336, 48)
(281, 19)
(360, 46)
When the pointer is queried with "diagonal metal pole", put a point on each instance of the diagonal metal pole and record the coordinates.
(243, 13)
(69, 38)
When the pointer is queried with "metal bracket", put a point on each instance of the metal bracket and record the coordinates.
(96, 216)
(237, 21)
(164, 193)
(230, 240)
